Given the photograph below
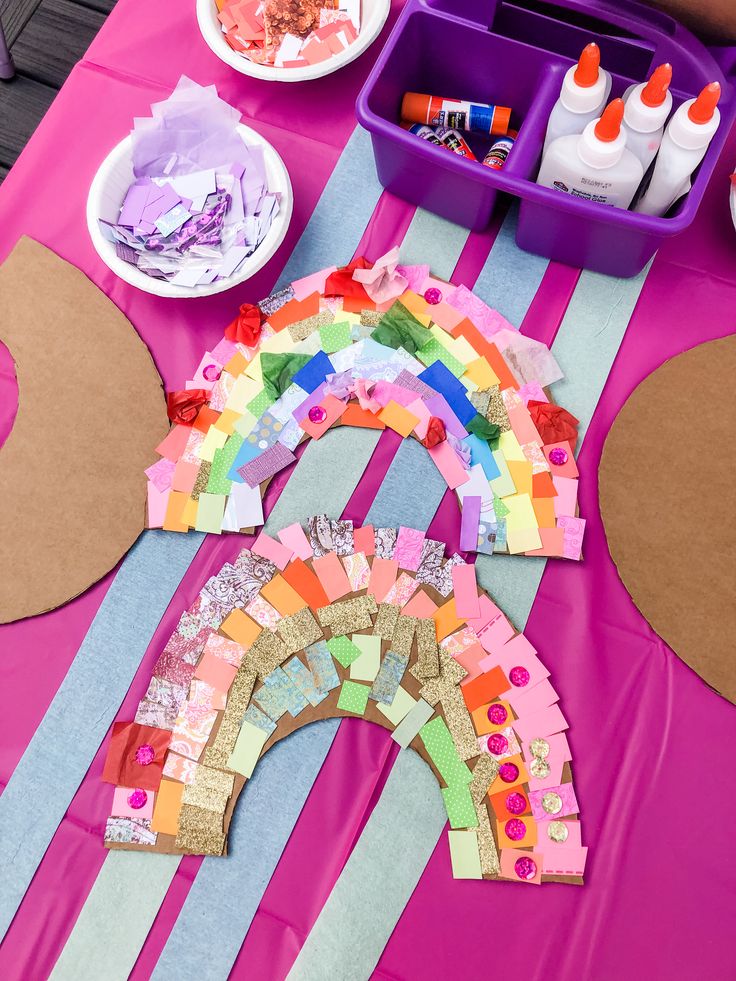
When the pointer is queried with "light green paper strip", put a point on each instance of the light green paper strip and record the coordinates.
(464, 855)
(367, 900)
(459, 806)
(103, 944)
(440, 745)
(586, 346)
(431, 240)
(247, 749)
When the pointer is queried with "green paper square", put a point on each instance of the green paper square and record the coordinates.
(459, 806)
(335, 337)
(343, 650)
(353, 697)
(210, 512)
(434, 351)
(221, 463)
(438, 743)
(260, 403)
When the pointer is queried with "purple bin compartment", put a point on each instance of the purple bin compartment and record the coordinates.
(445, 47)
(452, 58)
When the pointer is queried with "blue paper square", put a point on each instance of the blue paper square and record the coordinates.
(480, 452)
(314, 372)
(442, 380)
(246, 453)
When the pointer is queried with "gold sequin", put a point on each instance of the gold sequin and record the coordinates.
(348, 616)
(496, 412)
(200, 831)
(388, 614)
(539, 748)
(210, 789)
(489, 863)
(403, 636)
(302, 329)
(539, 768)
(268, 652)
(459, 723)
(485, 772)
(299, 630)
(552, 802)
(557, 830)
(451, 674)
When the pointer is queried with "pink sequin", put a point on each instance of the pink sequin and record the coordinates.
(515, 829)
(515, 803)
(144, 755)
(497, 714)
(525, 868)
(212, 372)
(317, 414)
(433, 295)
(497, 744)
(558, 456)
(508, 772)
(519, 676)
(137, 799)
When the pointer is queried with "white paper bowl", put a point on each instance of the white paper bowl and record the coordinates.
(110, 186)
(373, 17)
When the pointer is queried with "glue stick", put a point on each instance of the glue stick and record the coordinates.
(423, 132)
(496, 156)
(454, 141)
(433, 110)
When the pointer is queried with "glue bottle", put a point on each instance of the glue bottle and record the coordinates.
(646, 108)
(584, 92)
(594, 165)
(685, 141)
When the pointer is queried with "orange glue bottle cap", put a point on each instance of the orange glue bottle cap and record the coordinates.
(701, 111)
(586, 74)
(655, 91)
(609, 125)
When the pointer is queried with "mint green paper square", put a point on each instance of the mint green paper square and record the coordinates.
(343, 650)
(433, 351)
(438, 743)
(221, 463)
(210, 512)
(353, 697)
(459, 806)
(334, 337)
(259, 404)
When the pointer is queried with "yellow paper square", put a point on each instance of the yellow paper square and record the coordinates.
(398, 418)
(521, 513)
(415, 303)
(245, 424)
(463, 349)
(189, 514)
(244, 391)
(480, 372)
(236, 365)
(227, 421)
(214, 440)
(255, 371)
(521, 474)
(280, 343)
(508, 444)
(523, 540)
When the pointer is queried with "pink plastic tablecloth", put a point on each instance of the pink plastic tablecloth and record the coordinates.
(652, 745)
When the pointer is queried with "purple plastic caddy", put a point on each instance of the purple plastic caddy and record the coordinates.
(515, 54)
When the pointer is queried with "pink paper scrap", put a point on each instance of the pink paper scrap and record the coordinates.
(466, 591)
(272, 550)
(447, 462)
(293, 537)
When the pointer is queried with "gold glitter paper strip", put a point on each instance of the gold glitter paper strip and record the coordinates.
(237, 702)
(347, 616)
(451, 674)
(480, 400)
(489, 863)
(302, 329)
(403, 636)
(428, 656)
(210, 789)
(203, 477)
(497, 410)
(299, 630)
(268, 652)
(370, 318)
(200, 831)
(388, 614)
(485, 772)
(459, 723)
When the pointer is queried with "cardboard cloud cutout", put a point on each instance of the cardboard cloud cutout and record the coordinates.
(90, 402)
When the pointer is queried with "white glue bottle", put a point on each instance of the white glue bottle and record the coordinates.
(646, 108)
(685, 141)
(584, 92)
(594, 166)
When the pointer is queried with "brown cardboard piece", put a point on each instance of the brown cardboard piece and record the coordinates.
(90, 404)
(666, 494)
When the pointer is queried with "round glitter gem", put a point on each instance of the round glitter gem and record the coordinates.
(145, 754)
(509, 772)
(433, 295)
(515, 829)
(137, 799)
(539, 748)
(211, 372)
(552, 803)
(539, 768)
(515, 803)
(519, 677)
(558, 456)
(497, 714)
(317, 414)
(497, 744)
(525, 868)
(557, 831)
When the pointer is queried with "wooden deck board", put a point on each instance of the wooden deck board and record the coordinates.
(23, 103)
(54, 39)
(14, 15)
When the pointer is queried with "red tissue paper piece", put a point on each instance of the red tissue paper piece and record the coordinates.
(136, 755)
(553, 423)
(183, 406)
(341, 282)
(436, 433)
(247, 326)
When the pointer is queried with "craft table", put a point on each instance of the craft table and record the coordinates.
(652, 745)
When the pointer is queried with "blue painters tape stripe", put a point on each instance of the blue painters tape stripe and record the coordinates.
(434, 241)
(411, 491)
(383, 870)
(226, 894)
(65, 743)
(342, 212)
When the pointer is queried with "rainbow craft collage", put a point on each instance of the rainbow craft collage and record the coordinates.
(368, 551)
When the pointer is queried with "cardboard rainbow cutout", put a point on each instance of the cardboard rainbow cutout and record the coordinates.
(376, 623)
